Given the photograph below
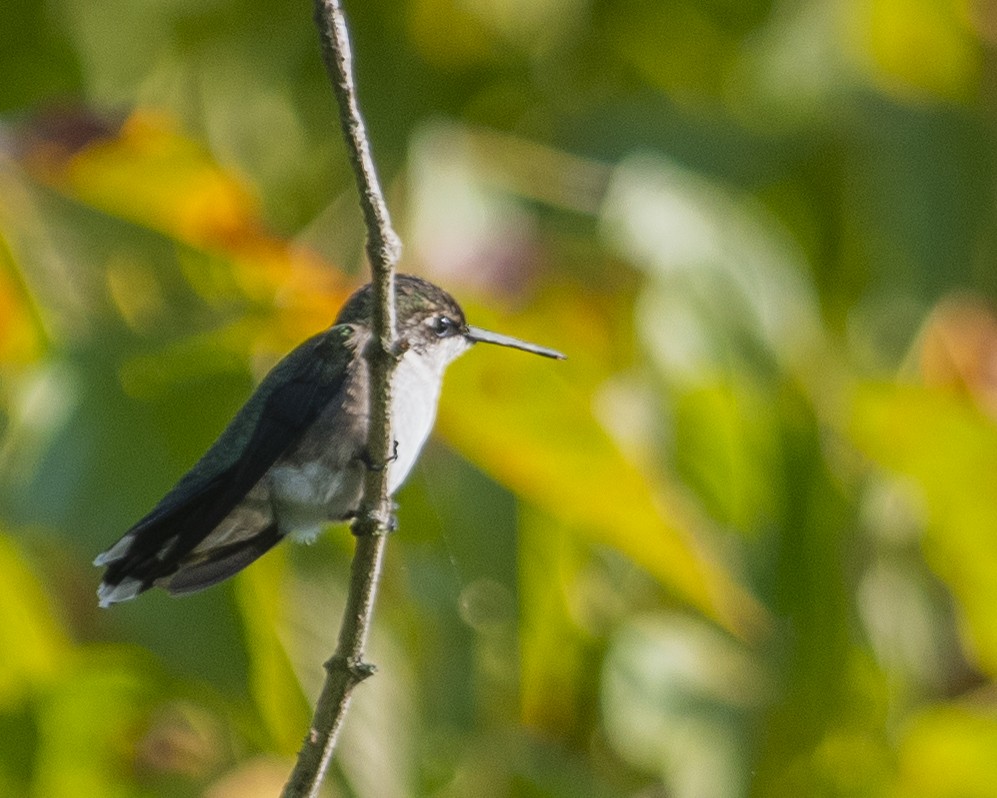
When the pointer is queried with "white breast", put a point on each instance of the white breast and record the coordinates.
(415, 391)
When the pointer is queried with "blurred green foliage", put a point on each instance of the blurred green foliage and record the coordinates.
(742, 543)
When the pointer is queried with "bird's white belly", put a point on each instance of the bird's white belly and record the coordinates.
(308, 495)
(415, 391)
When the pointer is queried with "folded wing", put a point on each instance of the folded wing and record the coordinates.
(172, 545)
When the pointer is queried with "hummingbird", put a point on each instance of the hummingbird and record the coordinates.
(293, 458)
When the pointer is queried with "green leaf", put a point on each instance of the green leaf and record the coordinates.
(275, 686)
(90, 722)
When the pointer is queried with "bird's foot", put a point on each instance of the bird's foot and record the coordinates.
(376, 465)
(374, 523)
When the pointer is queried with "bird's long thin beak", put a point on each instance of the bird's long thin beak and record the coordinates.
(477, 335)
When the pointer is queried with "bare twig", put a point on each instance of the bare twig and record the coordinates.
(346, 669)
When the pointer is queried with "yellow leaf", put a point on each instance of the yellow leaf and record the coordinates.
(948, 752)
(21, 332)
(950, 450)
(33, 641)
(522, 420)
(888, 33)
(552, 662)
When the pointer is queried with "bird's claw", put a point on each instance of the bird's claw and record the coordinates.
(375, 524)
(371, 465)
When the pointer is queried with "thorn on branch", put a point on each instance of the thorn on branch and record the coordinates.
(357, 669)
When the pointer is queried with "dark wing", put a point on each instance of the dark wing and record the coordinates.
(209, 568)
(281, 410)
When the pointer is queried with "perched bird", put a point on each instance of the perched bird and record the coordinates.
(293, 459)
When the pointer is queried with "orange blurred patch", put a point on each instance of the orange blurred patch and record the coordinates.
(147, 172)
(958, 350)
(183, 739)
(257, 778)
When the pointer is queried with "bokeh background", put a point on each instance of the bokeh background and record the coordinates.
(742, 543)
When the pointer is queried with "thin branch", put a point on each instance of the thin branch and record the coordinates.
(346, 669)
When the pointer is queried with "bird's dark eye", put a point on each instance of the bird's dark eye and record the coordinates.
(444, 326)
